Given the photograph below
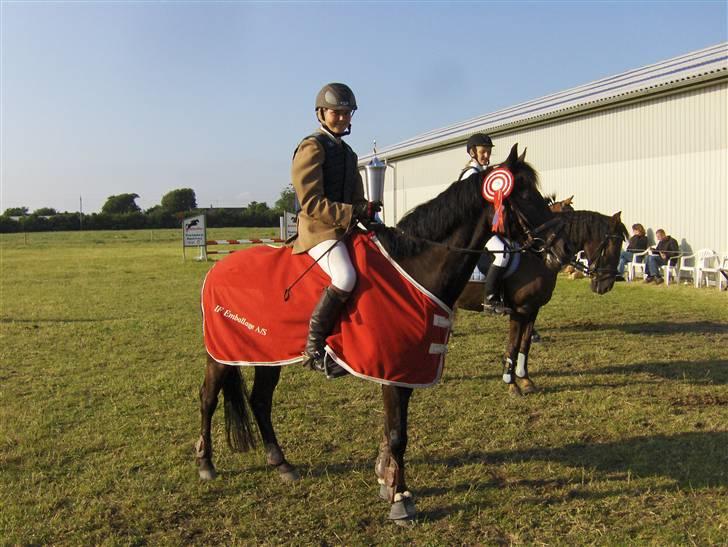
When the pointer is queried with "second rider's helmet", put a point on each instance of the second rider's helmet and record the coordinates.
(479, 139)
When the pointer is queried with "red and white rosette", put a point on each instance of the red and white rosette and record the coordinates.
(497, 185)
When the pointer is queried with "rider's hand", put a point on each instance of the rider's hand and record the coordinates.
(364, 211)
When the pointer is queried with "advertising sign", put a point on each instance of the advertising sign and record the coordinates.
(193, 231)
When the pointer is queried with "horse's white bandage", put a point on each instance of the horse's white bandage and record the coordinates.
(507, 378)
(402, 495)
(521, 365)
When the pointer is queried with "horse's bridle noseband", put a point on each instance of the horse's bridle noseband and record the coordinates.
(593, 269)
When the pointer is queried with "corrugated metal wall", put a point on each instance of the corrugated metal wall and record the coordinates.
(663, 162)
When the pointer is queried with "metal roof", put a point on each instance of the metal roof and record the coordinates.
(704, 65)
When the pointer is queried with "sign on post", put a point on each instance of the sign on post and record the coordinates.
(194, 234)
(288, 225)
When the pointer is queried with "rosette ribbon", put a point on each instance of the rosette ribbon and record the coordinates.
(498, 185)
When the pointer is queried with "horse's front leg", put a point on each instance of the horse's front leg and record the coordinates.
(261, 401)
(516, 328)
(396, 403)
(214, 376)
(524, 383)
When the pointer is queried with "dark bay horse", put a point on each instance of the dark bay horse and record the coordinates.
(531, 286)
(437, 244)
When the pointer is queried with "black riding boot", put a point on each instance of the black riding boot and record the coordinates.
(493, 303)
(324, 316)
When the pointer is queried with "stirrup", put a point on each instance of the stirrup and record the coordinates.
(324, 364)
(496, 307)
(332, 369)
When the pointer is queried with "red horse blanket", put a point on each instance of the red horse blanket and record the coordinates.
(392, 330)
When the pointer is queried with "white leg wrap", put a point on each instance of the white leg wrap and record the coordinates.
(402, 495)
(506, 376)
(521, 365)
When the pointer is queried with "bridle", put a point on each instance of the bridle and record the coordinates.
(534, 241)
(593, 269)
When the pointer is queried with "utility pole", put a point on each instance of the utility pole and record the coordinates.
(80, 213)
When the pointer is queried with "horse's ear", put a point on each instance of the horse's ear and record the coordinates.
(522, 157)
(570, 200)
(513, 156)
(617, 216)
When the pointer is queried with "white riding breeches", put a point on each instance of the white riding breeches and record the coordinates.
(336, 264)
(497, 246)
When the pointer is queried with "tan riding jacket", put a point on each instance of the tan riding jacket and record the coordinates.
(320, 218)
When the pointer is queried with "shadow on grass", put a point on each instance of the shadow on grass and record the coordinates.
(712, 372)
(694, 460)
(35, 322)
(656, 328)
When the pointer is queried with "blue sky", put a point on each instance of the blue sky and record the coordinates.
(102, 98)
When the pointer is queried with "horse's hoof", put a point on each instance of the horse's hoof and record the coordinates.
(514, 390)
(288, 473)
(207, 472)
(403, 509)
(526, 386)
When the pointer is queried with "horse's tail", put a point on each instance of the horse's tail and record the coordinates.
(241, 433)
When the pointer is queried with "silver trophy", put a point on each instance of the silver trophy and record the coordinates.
(375, 178)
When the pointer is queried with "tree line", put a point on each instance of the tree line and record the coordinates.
(121, 212)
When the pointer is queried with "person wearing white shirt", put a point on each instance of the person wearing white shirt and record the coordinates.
(479, 148)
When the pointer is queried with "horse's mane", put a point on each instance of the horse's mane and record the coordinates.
(438, 218)
(590, 226)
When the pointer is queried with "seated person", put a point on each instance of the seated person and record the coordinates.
(667, 248)
(637, 244)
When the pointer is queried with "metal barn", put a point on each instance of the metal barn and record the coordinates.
(651, 142)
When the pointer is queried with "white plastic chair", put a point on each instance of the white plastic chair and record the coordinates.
(686, 265)
(723, 271)
(633, 266)
(707, 263)
(669, 270)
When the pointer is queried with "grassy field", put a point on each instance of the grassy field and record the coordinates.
(102, 357)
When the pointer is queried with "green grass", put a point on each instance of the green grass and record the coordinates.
(102, 358)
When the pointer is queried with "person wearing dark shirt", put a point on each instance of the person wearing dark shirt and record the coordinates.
(666, 250)
(637, 244)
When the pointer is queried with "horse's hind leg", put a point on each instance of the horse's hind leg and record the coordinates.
(214, 376)
(261, 401)
(396, 402)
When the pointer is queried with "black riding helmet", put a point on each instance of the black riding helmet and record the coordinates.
(479, 139)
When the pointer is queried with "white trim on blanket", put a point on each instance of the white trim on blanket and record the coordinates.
(409, 278)
(351, 371)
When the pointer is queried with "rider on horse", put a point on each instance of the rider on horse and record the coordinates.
(330, 192)
(479, 147)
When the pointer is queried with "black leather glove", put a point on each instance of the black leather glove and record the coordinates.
(364, 211)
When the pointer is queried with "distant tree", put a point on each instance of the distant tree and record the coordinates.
(123, 203)
(45, 211)
(287, 200)
(182, 199)
(16, 212)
